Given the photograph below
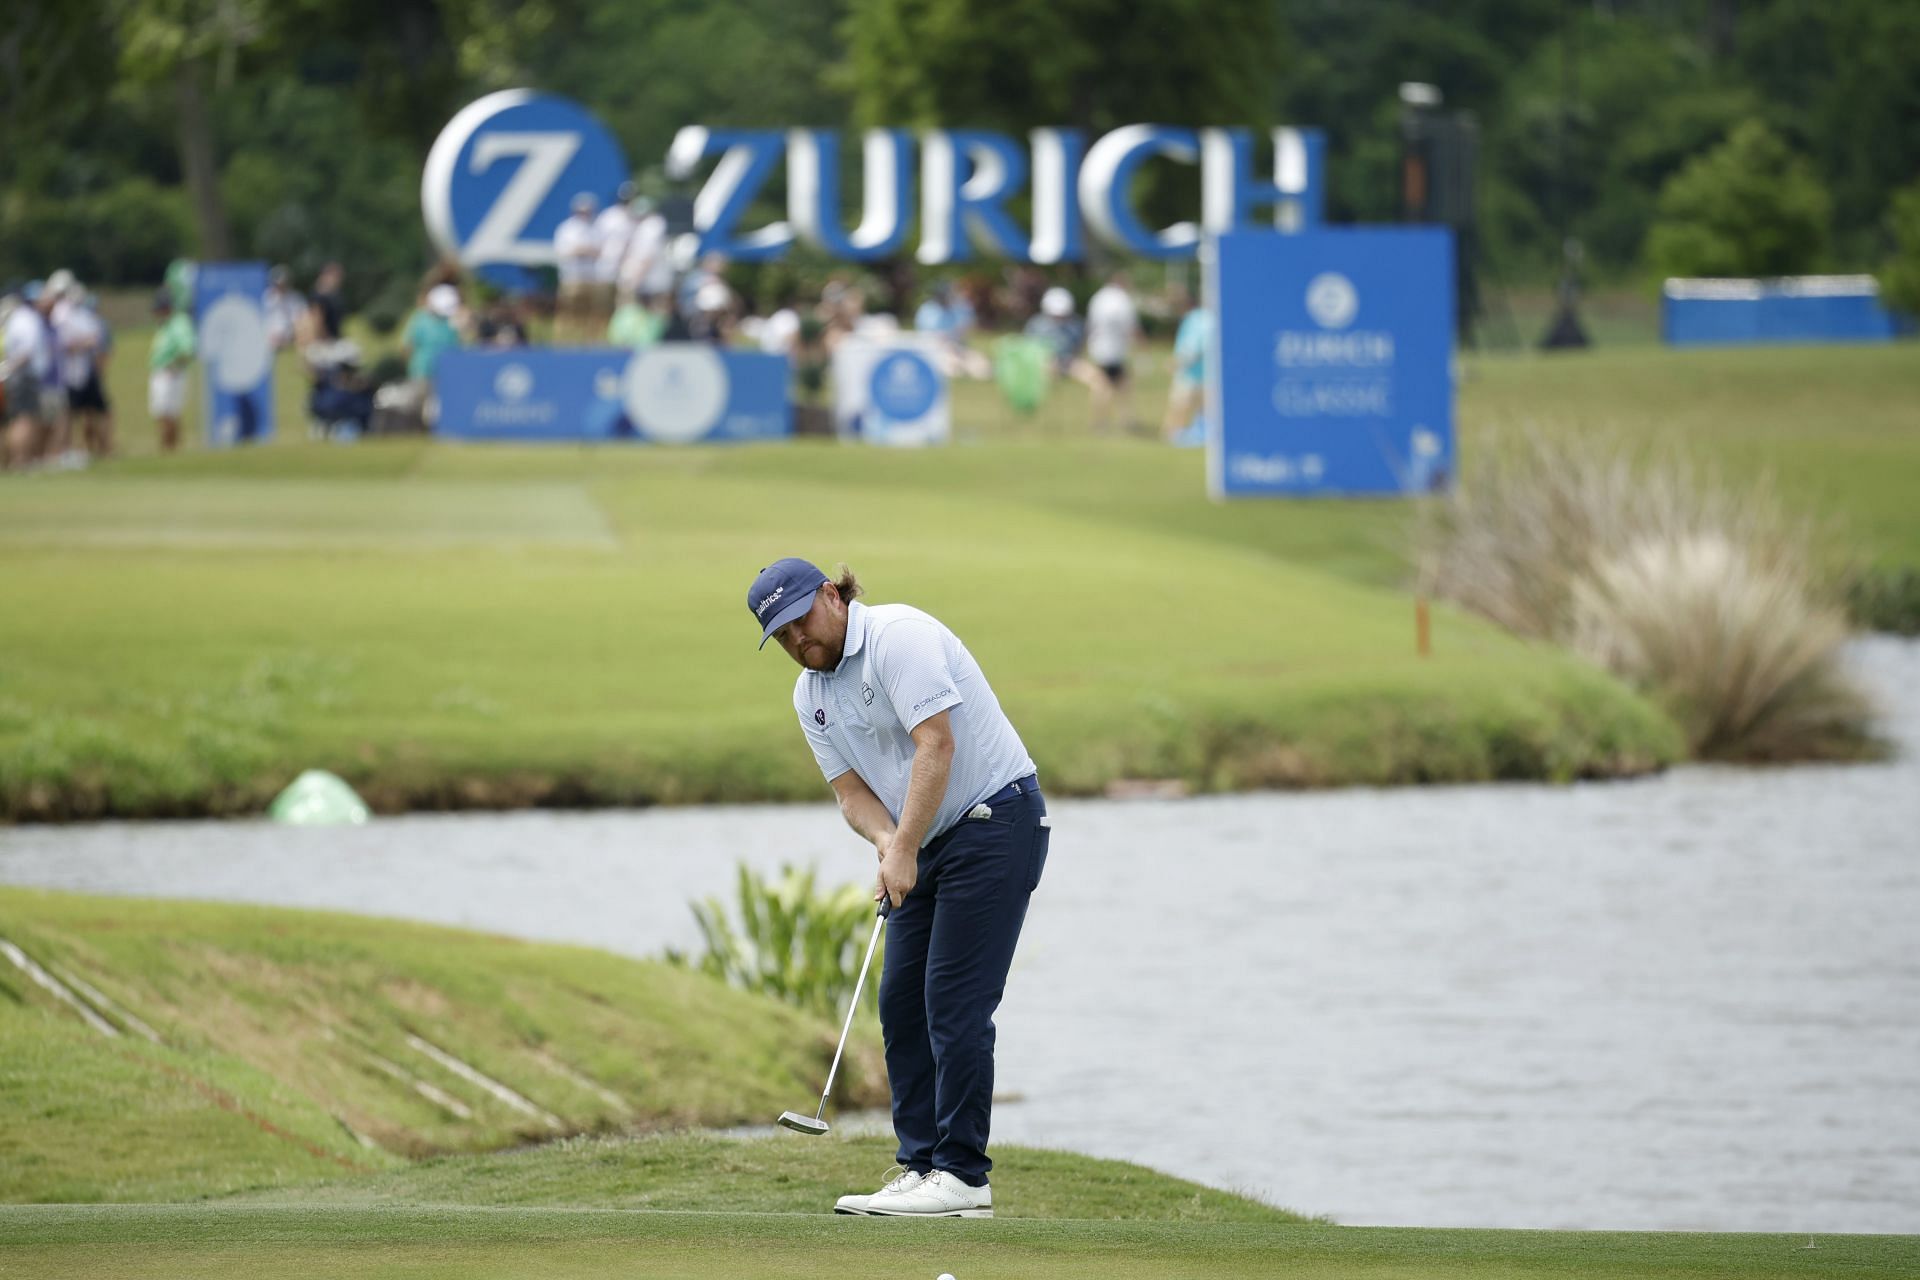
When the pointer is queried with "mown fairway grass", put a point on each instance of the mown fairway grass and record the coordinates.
(467, 626)
(576, 1244)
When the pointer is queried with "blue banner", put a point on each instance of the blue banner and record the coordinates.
(674, 393)
(229, 312)
(1330, 367)
(1798, 309)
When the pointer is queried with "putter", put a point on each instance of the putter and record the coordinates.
(813, 1126)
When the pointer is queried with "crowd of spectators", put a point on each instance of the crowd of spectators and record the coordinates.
(54, 350)
(623, 280)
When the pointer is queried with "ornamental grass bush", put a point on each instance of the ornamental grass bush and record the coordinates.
(1704, 597)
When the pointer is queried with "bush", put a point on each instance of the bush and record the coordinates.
(1900, 277)
(1703, 598)
(795, 942)
(1885, 599)
(1749, 207)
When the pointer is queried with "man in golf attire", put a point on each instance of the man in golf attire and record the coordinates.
(927, 767)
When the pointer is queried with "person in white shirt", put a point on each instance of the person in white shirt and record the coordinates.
(576, 248)
(613, 231)
(1113, 325)
(926, 766)
(646, 268)
(84, 345)
(28, 369)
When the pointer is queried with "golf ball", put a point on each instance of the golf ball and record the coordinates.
(944, 1275)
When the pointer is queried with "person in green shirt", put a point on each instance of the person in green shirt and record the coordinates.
(430, 332)
(169, 358)
(637, 323)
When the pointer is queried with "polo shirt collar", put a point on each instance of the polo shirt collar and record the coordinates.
(856, 634)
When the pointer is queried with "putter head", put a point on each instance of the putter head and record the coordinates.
(802, 1124)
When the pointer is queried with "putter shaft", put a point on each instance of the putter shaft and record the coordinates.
(879, 923)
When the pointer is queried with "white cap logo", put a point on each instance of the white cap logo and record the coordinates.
(1332, 300)
(515, 382)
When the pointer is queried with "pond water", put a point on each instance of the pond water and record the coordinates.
(1686, 1002)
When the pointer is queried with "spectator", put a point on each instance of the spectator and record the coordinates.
(1183, 424)
(613, 231)
(85, 344)
(1112, 326)
(948, 316)
(709, 269)
(576, 249)
(502, 325)
(431, 331)
(780, 335)
(646, 268)
(27, 366)
(61, 296)
(171, 354)
(284, 306)
(1058, 328)
(713, 314)
(638, 324)
(327, 314)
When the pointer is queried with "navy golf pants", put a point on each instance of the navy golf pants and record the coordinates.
(949, 946)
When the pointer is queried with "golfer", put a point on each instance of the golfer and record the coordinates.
(927, 767)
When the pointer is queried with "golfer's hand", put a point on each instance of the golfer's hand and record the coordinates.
(899, 872)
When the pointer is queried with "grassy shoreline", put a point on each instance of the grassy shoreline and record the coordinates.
(467, 627)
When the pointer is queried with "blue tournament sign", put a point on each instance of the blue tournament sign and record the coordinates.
(229, 311)
(502, 175)
(674, 393)
(1330, 369)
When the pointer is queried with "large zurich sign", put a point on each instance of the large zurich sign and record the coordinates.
(502, 175)
(499, 179)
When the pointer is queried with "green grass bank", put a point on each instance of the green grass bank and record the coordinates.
(469, 627)
(259, 1047)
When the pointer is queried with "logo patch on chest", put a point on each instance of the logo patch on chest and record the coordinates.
(866, 694)
(820, 716)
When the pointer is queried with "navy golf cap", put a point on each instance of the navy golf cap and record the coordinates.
(783, 591)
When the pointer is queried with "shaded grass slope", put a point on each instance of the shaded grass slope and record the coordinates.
(290, 1045)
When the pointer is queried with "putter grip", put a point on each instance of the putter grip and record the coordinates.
(886, 906)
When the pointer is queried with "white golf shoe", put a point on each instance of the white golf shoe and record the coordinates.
(938, 1195)
(903, 1180)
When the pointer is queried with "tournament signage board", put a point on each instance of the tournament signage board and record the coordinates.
(501, 178)
(230, 320)
(890, 390)
(1330, 368)
(673, 393)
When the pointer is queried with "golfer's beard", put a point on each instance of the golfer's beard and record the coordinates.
(821, 659)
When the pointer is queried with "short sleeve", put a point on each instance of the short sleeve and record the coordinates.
(813, 725)
(910, 658)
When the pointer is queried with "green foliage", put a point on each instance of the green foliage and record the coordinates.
(1883, 598)
(795, 942)
(1900, 275)
(1749, 207)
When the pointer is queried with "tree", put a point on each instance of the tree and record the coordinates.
(1900, 277)
(1749, 207)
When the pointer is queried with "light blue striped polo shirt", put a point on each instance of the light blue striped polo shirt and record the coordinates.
(899, 667)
